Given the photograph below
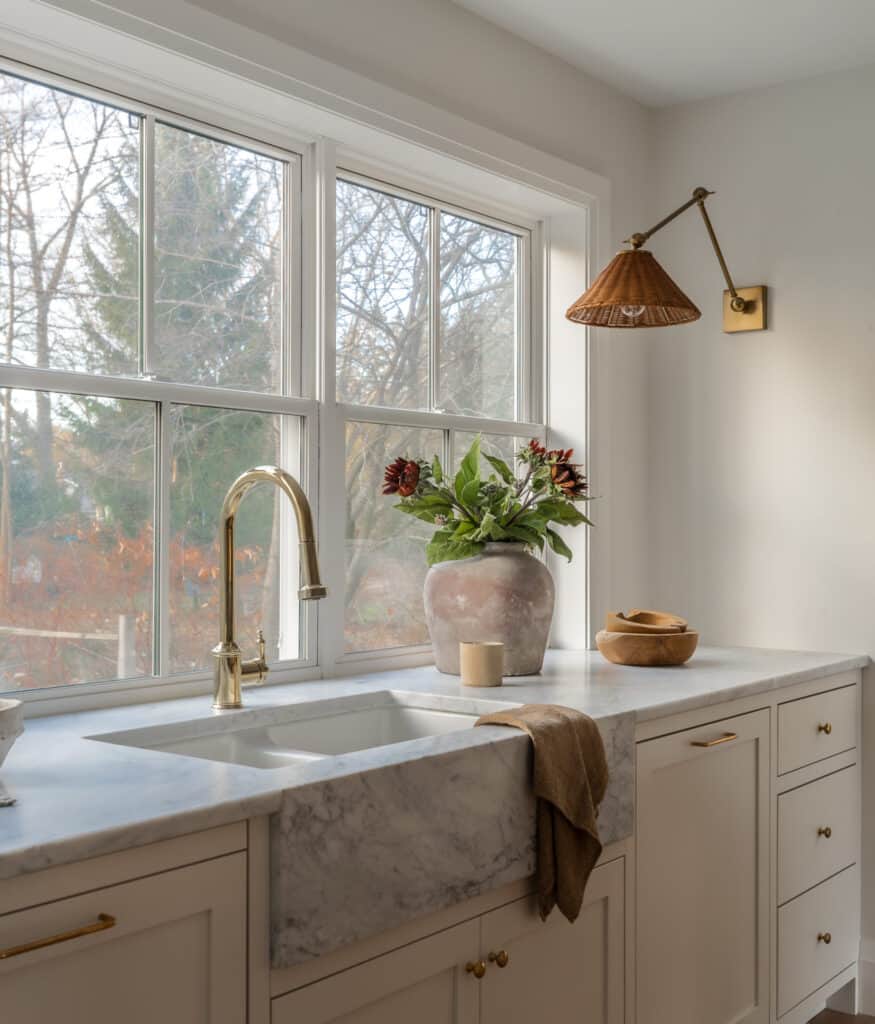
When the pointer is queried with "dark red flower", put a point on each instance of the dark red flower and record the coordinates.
(569, 479)
(402, 477)
(537, 449)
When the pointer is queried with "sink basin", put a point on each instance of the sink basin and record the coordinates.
(296, 733)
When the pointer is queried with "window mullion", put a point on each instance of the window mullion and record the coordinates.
(163, 475)
(147, 246)
(434, 308)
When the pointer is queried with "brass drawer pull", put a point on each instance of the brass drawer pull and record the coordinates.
(825, 831)
(824, 937)
(476, 967)
(103, 922)
(825, 728)
(500, 959)
(727, 737)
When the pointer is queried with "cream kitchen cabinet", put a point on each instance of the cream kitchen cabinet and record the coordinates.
(502, 967)
(702, 856)
(169, 946)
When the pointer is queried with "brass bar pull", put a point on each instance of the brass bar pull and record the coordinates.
(103, 922)
(825, 728)
(727, 737)
(824, 937)
(500, 959)
(476, 967)
(825, 831)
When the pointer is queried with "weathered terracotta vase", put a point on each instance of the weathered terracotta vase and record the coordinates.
(503, 594)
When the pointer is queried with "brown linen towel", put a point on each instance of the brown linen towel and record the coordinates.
(570, 777)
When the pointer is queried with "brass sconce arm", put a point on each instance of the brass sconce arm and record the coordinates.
(699, 196)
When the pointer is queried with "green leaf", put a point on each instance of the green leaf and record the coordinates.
(437, 470)
(559, 510)
(558, 544)
(469, 470)
(440, 549)
(526, 535)
(488, 528)
(501, 467)
(470, 494)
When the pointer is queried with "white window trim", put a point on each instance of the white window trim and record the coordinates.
(212, 71)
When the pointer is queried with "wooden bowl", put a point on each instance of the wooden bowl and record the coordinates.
(667, 621)
(647, 649)
(644, 622)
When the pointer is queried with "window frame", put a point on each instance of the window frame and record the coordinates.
(530, 341)
(160, 393)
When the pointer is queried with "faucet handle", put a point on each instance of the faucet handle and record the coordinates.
(262, 649)
(256, 667)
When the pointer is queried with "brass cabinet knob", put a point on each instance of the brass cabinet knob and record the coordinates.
(825, 831)
(501, 958)
(824, 937)
(825, 727)
(476, 967)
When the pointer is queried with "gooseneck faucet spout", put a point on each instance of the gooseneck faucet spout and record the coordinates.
(231, 670)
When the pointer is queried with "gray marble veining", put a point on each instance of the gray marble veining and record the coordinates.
(363, 853)
(414, 826)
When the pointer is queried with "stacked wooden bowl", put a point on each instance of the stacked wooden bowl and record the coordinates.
(647, 638)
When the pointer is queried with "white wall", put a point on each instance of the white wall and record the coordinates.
(762, 446)
(445, 56)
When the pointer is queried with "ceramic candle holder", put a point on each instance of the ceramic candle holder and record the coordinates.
(481, 664)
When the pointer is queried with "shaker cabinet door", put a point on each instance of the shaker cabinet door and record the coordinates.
(170, 947)
(555, 971)
(702, 864)
(424, 982)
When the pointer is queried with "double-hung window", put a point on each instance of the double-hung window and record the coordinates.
(154, 344)
(151, 351)
(433, 338)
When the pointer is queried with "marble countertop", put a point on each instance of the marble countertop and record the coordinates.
(79, 798)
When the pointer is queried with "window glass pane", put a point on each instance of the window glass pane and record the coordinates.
(210, 448)
(218, 263)
(478, 343)
(385, 549)
(69, 231)
(76, 546)
(382, 299)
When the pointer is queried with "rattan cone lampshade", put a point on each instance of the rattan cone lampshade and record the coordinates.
(632, 280)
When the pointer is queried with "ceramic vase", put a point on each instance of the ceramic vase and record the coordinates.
(504, 594)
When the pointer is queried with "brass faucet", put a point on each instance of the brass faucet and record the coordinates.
(231, 669)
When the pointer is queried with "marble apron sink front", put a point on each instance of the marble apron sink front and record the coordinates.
(396, 806)
(446, 819)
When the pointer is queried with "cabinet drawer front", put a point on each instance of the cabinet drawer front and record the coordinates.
(816, 727)
(818, 828)
(805, 962)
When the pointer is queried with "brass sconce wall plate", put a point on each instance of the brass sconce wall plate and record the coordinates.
(753, 318)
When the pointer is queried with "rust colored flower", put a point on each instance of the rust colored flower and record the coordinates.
(402, 477)
(569, 479)
(560, 455)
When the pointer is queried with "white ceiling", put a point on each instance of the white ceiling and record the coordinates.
(668, 51)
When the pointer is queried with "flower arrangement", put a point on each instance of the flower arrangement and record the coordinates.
(470, 511)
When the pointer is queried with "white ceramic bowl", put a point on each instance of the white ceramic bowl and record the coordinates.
(11, 725)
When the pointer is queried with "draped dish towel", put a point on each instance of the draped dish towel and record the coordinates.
(569, 779)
